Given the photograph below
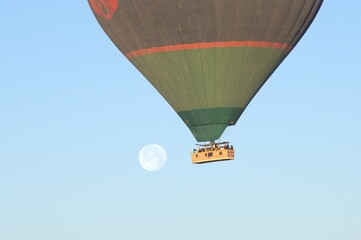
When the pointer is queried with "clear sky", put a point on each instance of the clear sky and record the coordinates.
(74, 114)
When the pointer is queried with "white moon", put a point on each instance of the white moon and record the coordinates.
(152, 157)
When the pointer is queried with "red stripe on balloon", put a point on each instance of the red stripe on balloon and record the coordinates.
(190, 46)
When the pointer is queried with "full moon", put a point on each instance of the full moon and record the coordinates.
(152, 157)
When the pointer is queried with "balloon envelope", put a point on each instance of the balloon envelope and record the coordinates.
(207, 58)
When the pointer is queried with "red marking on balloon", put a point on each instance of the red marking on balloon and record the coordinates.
(190, 46)
(104, 8)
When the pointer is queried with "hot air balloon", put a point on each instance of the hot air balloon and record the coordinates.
(207, 58)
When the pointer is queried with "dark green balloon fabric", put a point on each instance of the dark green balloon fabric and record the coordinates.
(207, 58)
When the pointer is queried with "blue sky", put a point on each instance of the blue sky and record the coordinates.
(75, 114)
